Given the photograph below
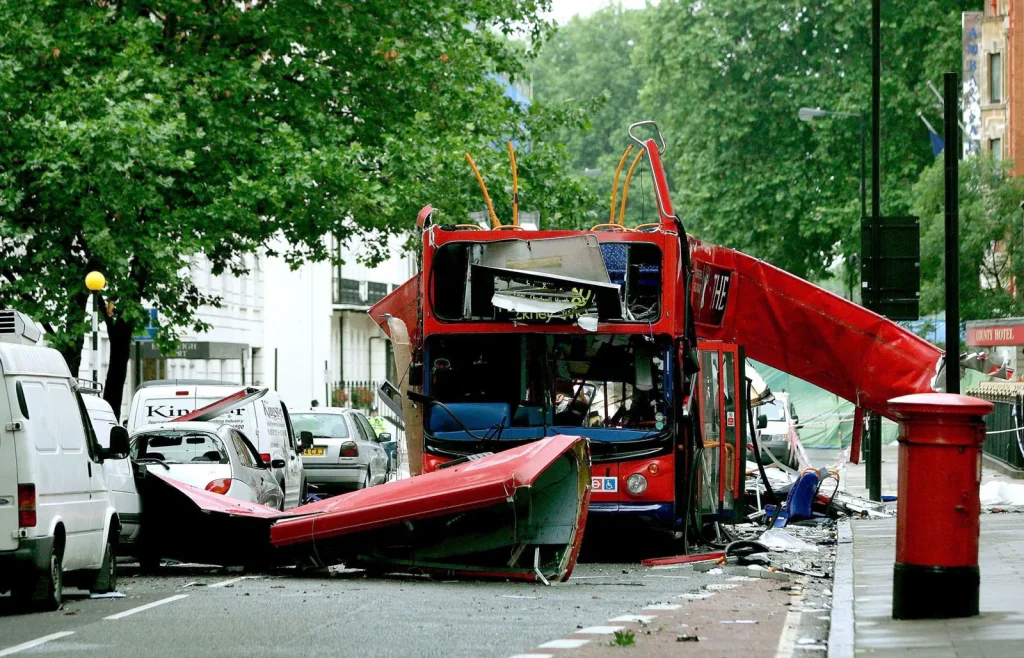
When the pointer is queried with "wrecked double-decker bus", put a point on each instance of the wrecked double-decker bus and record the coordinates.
(509, 335)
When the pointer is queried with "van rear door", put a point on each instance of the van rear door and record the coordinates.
(8, 472)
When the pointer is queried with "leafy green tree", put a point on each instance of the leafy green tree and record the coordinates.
(588, 63)
(991, 239)
(138, 134)
(726, 79)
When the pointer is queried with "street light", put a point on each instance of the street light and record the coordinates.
(809, 114)
(95, 282)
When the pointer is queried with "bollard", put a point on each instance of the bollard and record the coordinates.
(937, 523)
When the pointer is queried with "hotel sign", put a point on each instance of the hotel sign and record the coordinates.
(1012, 334)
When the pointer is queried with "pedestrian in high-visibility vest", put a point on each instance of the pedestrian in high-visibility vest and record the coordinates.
(377, 422)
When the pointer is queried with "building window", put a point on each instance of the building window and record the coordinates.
(996, 147)
(376, 291)
(995, 78)
(348, 292)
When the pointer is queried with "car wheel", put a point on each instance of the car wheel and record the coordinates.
(47, 591)
(366, 479)
(106, 579)
(303, 491)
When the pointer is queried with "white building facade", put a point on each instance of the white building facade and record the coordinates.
(301, 332)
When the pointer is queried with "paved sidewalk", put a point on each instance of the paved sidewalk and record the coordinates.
(863, 587)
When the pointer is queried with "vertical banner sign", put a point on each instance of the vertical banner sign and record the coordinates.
(971, 76)
(709, 294)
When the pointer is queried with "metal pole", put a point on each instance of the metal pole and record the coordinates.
(95, 339)
(863, 177)
(952, 162)
(874, 461)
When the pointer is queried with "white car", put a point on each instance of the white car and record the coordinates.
(346, 453)
(217, 458)
(259, 413)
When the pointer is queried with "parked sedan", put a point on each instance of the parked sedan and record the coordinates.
(346, 453)
(217, 458)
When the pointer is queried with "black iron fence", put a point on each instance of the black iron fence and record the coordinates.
(1005, 425)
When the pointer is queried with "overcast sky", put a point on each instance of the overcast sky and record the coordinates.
(563, 10)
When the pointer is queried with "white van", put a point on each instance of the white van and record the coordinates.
(56, 515)
(264, 421)
(120, 478)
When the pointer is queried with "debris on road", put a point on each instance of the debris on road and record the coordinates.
(779, 540)
(1001, 493)
(682, 559)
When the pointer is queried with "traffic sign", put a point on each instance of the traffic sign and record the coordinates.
(890, 271)
(151, 327)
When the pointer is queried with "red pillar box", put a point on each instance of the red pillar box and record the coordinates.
(937, 524)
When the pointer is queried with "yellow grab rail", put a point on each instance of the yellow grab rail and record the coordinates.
(487, 197)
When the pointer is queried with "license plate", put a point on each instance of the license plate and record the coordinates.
(315, 451)
(604, 484)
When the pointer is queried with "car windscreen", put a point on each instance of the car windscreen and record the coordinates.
(323, 426)
(180, 447)
(775, 411)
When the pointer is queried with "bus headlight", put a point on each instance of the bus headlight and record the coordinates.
(636, 484)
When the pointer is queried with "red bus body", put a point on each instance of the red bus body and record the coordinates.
(736, 305)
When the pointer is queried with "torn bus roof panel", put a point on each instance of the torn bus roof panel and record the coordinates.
(518, 514)
(186, 523)
(222, 406)
(578, 256)
(403, 303)
(795, 326)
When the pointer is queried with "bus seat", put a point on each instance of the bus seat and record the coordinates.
(474, 415)
(508, 434)
(615, 257)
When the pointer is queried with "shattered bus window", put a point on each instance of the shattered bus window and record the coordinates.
(556, 280)
(522, 387)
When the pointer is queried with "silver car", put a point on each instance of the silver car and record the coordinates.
(346, 453)
(217, 458)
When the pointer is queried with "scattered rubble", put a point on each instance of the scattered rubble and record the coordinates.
(1002, 493)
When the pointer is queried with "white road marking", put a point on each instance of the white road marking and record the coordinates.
(788, 638)
(639, 619)
(717, 586)
(127, 613)
(662, 606)
(532, 655)
(232, 581)
(599, 630)
(696, 597)
(563, 644)
(31, 644)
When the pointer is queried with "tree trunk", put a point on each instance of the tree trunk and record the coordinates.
(120, 334)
